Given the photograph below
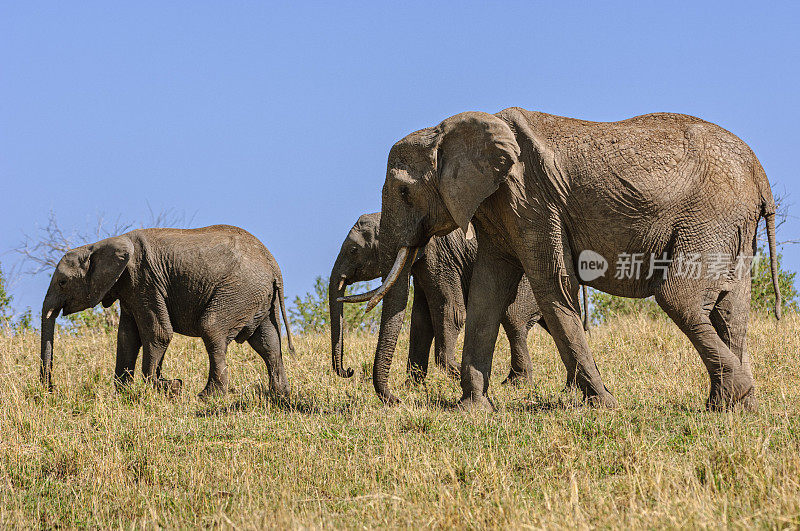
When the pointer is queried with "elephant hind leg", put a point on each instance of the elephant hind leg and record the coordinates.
(690, 306)
(217, 347)
(420, 336)
(729, 318)
(266, 340)
(446, 332)
(521, 366)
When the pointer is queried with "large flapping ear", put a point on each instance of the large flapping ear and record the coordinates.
(475, 154)
(107, 261)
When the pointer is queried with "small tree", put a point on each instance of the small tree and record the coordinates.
(5, 301)
(311, 313)
(762, 294)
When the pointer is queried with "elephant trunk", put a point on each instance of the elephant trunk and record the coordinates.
(336, 308)
(49, 313)
(394, 305)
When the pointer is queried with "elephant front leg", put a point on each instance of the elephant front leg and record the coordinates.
(548, 264)
(128, 345)
(493, 285)
(565, 325)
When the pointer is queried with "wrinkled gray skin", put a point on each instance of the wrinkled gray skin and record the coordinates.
(218, 283)
(441, 273)
(540, 189)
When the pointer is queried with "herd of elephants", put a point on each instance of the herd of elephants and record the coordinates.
(470, 207)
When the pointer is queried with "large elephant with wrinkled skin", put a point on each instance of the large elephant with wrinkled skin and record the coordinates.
(218, 283)
(660, 192)
(441, 273)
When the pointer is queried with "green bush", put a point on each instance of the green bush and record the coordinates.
(25, 321)
(762, 296)
(311, 314)
(762, 299)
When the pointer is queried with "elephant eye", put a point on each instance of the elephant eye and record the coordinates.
(62, 282)
(353, 250)
(405, 194)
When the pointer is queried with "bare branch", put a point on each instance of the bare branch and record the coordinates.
(42, 250)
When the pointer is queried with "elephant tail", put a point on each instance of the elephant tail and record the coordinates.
(773, 262)
(279, 287)
(768, 212)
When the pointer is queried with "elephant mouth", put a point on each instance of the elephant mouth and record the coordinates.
(67, 310)
(374, 296)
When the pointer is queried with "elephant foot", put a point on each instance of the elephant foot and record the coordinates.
(732, 398)
(471, 403)
(212, 390)
(518, 378)
(416, 376)
(604, 400)
(413, 382)
(280, 391)
(171, 388)
(388, 399)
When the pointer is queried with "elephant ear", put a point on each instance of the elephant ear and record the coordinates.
(475, 154)
(107, 260)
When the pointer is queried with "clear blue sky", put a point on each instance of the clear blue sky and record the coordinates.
(279, 118)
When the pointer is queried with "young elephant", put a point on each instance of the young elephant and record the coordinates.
(441, 273)
(219, 283)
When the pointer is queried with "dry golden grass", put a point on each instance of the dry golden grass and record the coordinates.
(333, 456)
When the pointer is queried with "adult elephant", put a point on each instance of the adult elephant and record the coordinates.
(672, 199)
(441, 272)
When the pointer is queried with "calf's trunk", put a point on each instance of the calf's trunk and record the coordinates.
(48, 330)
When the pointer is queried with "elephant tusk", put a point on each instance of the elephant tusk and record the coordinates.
(341, 283)
(374, 296)
(49, 314)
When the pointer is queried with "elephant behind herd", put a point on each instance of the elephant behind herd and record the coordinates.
(442, 271)
(671, 200)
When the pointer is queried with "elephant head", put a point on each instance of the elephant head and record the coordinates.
(82, 279)
(357, 262)
(436, 178)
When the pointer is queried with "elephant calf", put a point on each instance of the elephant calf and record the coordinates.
(219, 283)
(442, 273)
